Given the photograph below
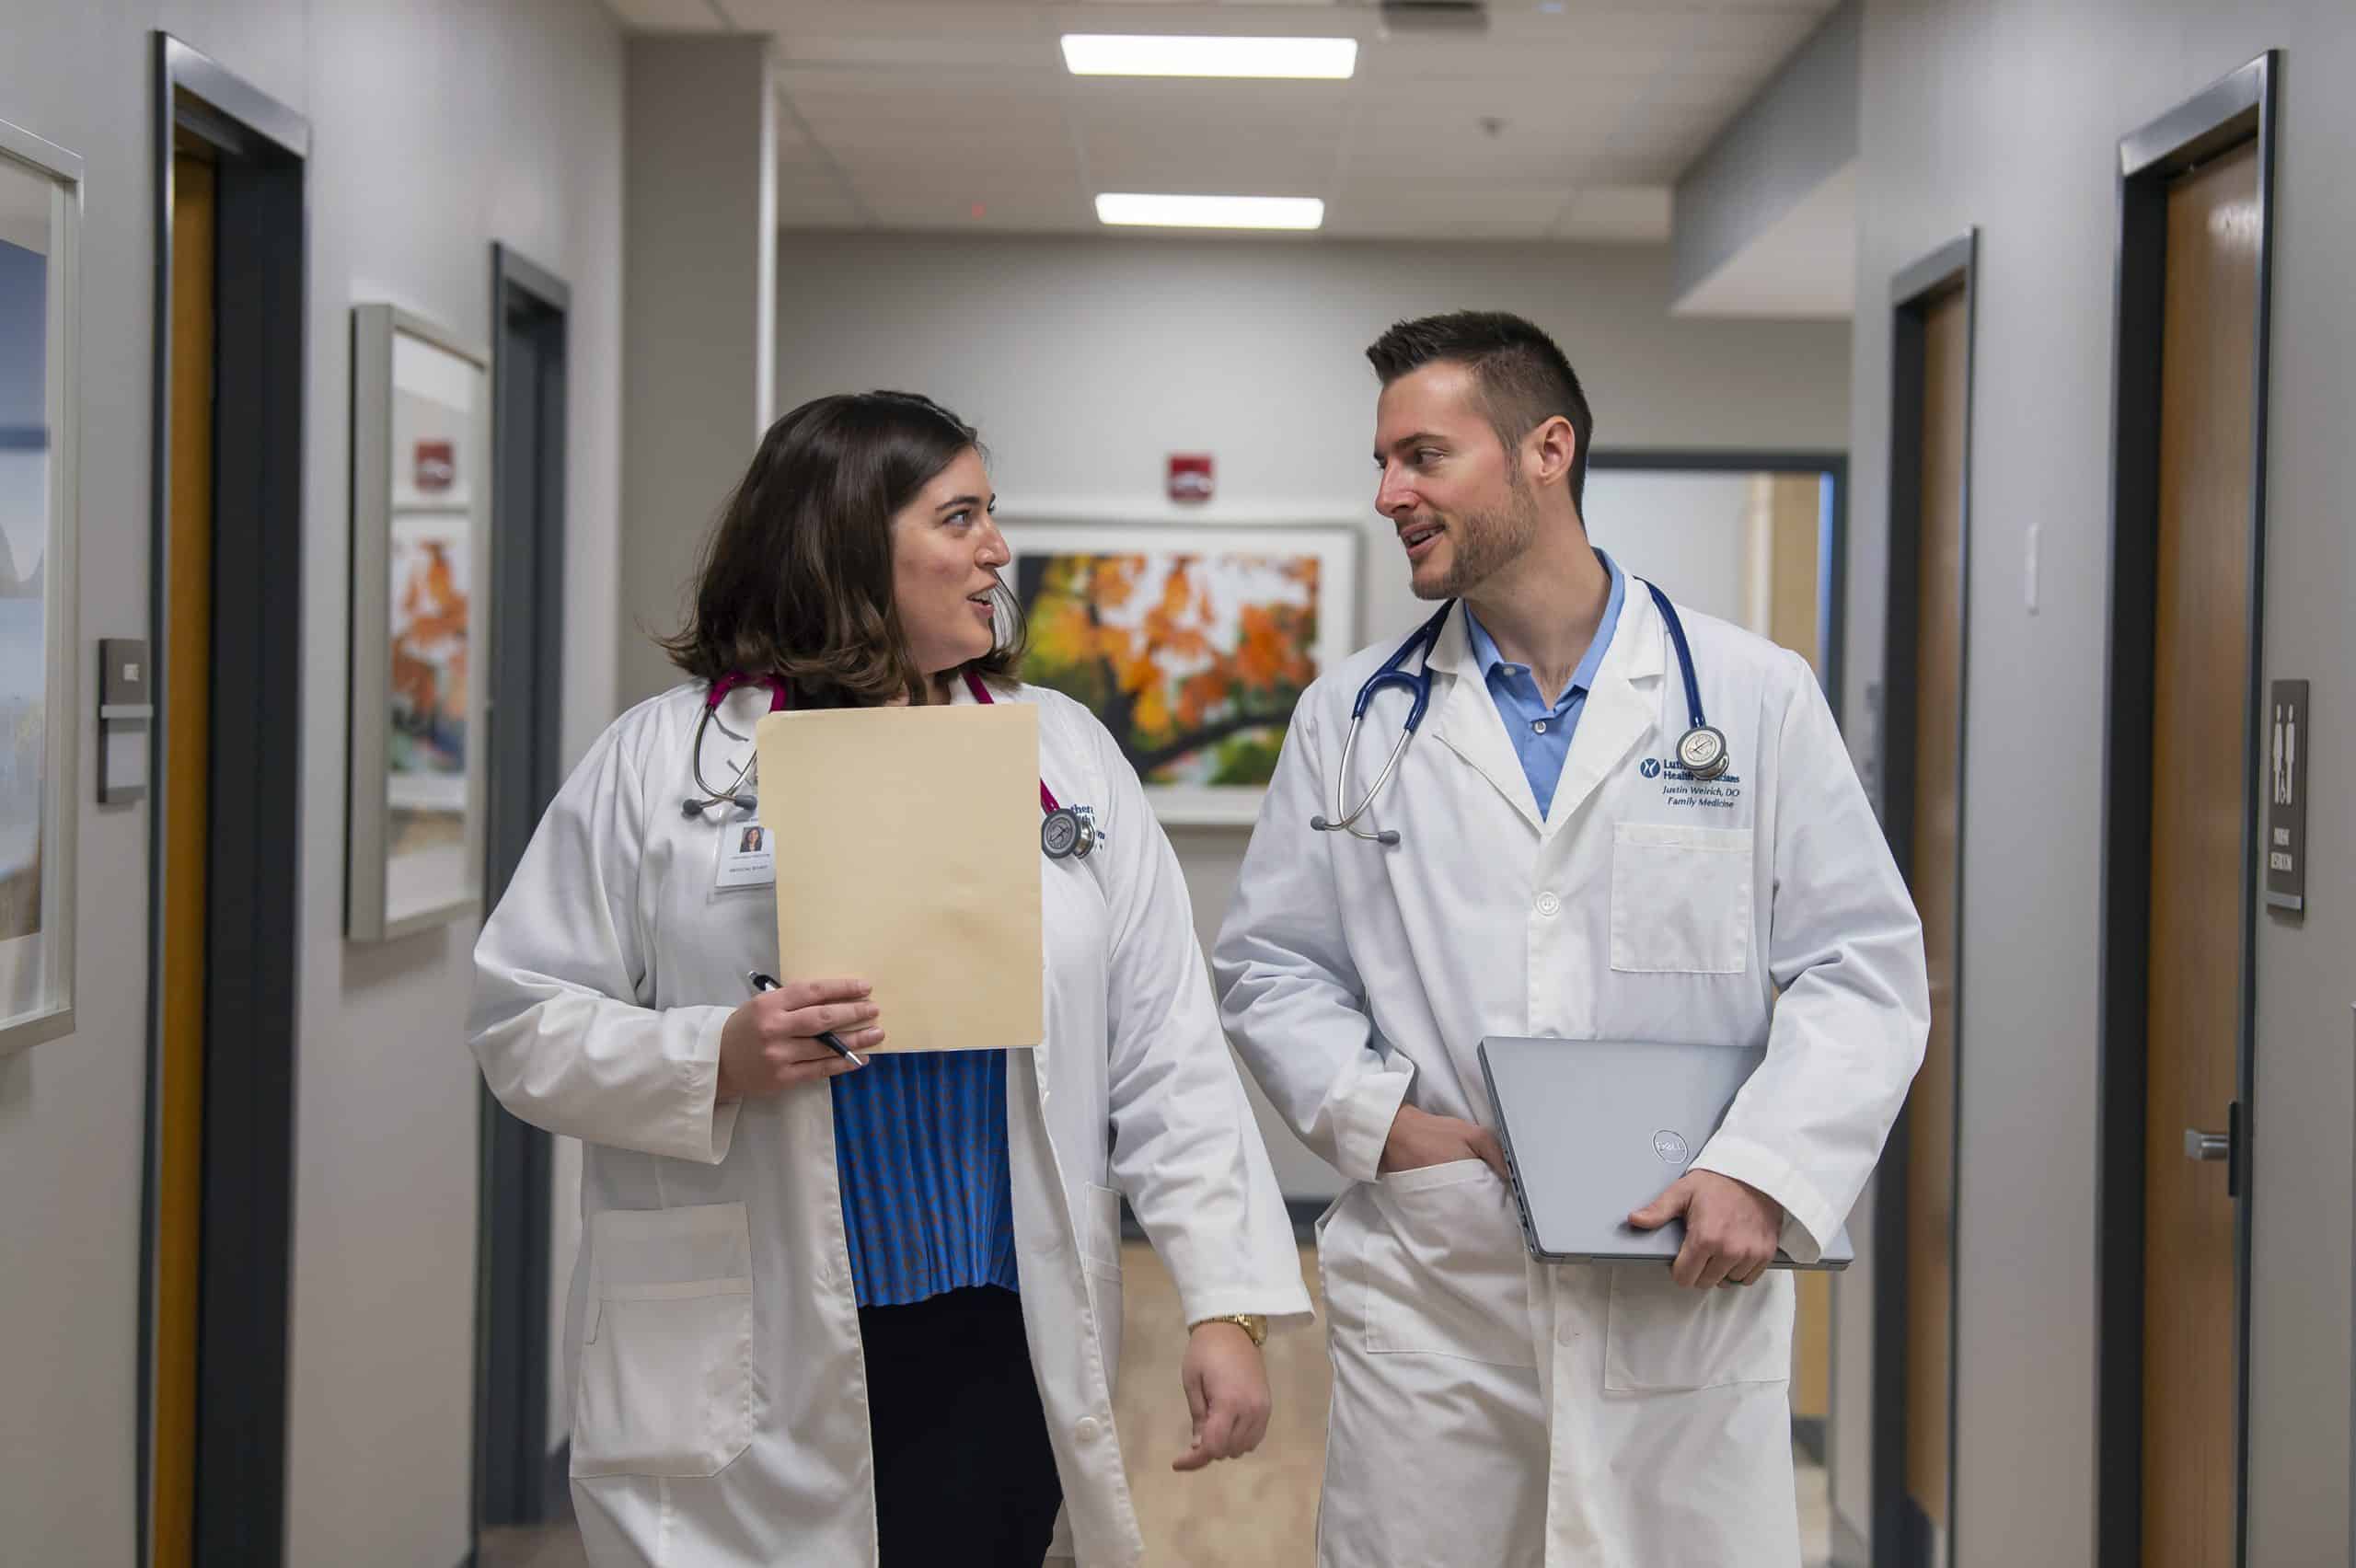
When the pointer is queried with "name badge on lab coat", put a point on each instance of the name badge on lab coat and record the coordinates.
(745, 857)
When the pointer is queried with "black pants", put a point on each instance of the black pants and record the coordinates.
(962, 1471)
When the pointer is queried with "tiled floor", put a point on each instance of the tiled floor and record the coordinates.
(551, 1546)
(1254, 1513)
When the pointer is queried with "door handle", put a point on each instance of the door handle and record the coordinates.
(2202, 1146)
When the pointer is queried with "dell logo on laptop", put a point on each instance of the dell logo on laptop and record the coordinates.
(1670, 1147)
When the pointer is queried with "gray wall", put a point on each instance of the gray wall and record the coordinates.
(2008, 116)
(700, 229)
(1799, 132)
(1085, 363)
(434, 133)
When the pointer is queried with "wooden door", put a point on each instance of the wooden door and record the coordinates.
(2199, 777)
(1931, 873)
(187, 670)
(1795, 509)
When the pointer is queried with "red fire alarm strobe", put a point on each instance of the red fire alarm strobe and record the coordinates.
(1190, 476)
(437, 466)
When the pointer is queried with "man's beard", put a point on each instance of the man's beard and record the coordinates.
(1481, 544)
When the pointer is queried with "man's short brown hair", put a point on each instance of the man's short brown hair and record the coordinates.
(1522, 376)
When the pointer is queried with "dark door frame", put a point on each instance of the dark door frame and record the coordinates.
(1899, 1532)
(253, 888)
(2229, 113)
(1832, 544)
(515, 1483)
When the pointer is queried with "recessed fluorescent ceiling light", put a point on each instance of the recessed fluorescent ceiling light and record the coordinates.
(1141, 54)
(1212, 212)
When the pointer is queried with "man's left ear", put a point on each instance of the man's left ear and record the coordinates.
(1552, 448)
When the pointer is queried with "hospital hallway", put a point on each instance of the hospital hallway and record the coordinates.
(1521, 609)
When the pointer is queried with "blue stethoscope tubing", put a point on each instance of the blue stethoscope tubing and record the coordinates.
(1701, 750)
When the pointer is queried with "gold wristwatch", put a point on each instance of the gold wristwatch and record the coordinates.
(1251, 1323)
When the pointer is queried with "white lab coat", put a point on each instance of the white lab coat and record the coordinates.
(712, 1338)
(1643, 906)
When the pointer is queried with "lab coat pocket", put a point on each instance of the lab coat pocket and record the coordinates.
(1680, 899)
(1100, 1261)
(1661, 1337)
(666, 1386)
(1100, 1233)
(1444, 1268)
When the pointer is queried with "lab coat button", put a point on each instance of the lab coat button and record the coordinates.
(1549, 905)
(1087, 1430)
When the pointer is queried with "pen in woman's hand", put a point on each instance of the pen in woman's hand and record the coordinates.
(827, 1037)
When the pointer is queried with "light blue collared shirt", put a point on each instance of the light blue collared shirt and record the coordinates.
(1541, 734)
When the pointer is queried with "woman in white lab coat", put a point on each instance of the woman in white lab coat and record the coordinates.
(826, 1314)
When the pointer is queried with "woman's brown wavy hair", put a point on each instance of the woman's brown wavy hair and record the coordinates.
(796, 579)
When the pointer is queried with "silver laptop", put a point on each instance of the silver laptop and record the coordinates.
(1596, 1129)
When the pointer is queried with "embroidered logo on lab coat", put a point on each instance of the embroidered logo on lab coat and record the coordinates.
(1680, 787)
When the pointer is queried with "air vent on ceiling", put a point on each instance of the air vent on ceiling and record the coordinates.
(1435, 16)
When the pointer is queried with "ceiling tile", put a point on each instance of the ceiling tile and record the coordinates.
(1534, 208)
(923, 51)
(1624, 212)
(906, 113)
(1098, 98)
(948, 210)
(1717, 92)
(666, 16)
(1468, 231)
(1767, 33)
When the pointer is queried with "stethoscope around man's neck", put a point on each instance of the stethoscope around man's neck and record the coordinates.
(1701, 750)
(1065, 831)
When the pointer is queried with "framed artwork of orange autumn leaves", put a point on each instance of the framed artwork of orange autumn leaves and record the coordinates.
(421, 531)
(1190, 643)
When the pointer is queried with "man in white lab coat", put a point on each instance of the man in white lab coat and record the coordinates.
(1557, 871)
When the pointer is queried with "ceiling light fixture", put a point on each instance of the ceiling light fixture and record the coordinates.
(1211, 212)
(1144, 54)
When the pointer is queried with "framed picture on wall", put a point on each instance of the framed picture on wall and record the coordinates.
(40, 206)
(1190, 643)
(419, 560)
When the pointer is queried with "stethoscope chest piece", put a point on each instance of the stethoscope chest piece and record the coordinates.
(1703, 751)
(1069, 832)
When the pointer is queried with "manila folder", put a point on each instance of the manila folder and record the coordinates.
(907, 851)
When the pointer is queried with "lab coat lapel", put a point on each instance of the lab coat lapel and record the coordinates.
(1468, 723)
(1622, 707)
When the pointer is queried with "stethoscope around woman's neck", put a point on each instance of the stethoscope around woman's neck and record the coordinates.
(1065, 831)
(737, 794)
